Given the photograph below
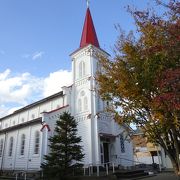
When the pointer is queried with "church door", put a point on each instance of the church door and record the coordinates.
(106, 152)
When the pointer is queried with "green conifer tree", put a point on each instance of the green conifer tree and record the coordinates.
(65, 154)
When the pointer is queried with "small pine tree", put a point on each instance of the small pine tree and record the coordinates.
(65, 152)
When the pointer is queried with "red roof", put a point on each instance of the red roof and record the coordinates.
(89, 34)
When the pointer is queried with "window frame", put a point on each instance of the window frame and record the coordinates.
(1, 147)
(82, 69)
(23, 143)
(11, 144)
(85, 103)
(122, 143)
(79, 105)
(36, 150)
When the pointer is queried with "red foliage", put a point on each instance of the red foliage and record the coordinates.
(169, 89)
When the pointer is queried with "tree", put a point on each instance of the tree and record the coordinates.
(143, 78)
(65, 152)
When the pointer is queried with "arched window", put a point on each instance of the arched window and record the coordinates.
(85, 103)
(82, 69)
(122, 145)
(10, 146)
(1, 147)
(36, 142)
(79, 105)
(23, 139)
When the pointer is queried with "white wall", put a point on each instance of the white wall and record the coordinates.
(29, 160)
(32, 113)
(17, 161)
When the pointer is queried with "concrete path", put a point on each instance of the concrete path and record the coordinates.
(163, 176)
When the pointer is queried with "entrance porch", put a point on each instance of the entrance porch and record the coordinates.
(107, 149)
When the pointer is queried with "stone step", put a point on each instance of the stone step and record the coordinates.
(130, 174)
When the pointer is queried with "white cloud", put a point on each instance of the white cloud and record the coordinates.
(3, 110)
(4, 74)
(34, 56)
(19, 90)
(56, 80)
(26, 56)
(37, 55)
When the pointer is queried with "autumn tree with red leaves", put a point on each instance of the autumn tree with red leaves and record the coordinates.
(143, 78)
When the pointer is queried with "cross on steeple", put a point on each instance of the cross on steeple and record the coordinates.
(87, 1)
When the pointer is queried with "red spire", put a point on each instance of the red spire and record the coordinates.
(89, 34)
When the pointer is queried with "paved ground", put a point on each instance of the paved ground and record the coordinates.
(160, 176)
(163, 176)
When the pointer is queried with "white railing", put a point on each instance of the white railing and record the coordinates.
(94, 169)
(133, 162)
(107, 166)
(22, 173)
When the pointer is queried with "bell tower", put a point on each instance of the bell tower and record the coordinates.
(84, 98)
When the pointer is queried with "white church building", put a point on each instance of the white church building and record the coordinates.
(24, 138)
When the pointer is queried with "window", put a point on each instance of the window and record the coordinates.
(107, 103)
(22, 120)
(122, 144)
(36, 142)
(85, 103)
(82, 93)
(32, 116)
(1, 147)
(81, 69)
(79, 105)
(23, 138)
(10, 146)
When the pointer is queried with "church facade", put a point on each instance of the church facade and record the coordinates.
(24, 134)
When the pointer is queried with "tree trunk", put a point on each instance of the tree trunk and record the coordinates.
(175, 167)
(175, 161)
(176, 170)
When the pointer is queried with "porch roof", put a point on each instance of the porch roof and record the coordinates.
(107, 135)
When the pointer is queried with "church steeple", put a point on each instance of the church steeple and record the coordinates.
(89, 34)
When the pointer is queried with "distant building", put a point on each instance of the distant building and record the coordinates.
(148, 153)
(24, 134)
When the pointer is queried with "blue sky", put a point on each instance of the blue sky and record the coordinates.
(37, 36)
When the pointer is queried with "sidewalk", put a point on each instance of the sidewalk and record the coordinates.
(163, 176)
